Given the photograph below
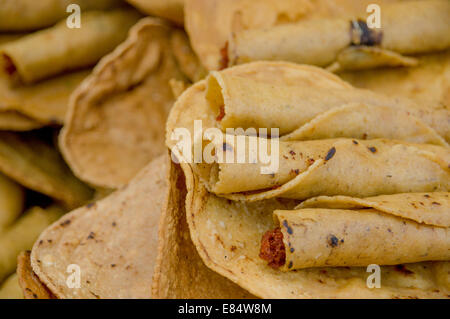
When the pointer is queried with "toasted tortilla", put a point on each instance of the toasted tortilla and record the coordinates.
(27, 15)
(37, 165)
(45, 102)
(116, 119)
(115, 243)
(327, 167)
(210, 23)
(27, 61)
(227, 232)
(169, 9)
(31, 286)
(407, 28)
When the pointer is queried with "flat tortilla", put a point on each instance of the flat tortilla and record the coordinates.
(116, 117)
(227, 233)
(119, 236)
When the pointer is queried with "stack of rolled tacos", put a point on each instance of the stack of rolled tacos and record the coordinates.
(360, 179)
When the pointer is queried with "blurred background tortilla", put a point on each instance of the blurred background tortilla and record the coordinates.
(116, 121)
(27, 15)
(34, 163)
(428, 83)
(169, 9)
(209, 23)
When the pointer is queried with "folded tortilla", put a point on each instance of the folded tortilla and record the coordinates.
(133, 244)
(403, 228)
(227, 232)
(117, 116)
(169, 9)
(316, 98)
(410, 27)
(65, 49)
(327, 167)
(27, 15)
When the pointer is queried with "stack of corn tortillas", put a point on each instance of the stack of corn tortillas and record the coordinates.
(224, 149)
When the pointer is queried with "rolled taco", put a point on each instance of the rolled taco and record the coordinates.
(403, 228)
(304, 169)
(210, 23)
(28, 61)
(304, 42)
(311, 96)
(28, 15)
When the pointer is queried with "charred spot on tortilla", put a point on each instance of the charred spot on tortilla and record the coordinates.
(330, 153)
(224, 59)
(221, 113)
(9, 66)
(272, 248)
(361, 34)
(288, 228)
(372, 149)
(333, 241)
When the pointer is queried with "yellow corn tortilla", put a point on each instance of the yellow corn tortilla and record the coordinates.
(22, 234)
(330, 167)
(116, 120)
(58, 49)
(12, 201)
(27, 15)
(210, 23)
(10, 288)
(406, 28)
(119, 235)
(323, 236)
(227, 233)
(254, 101)
(426, 84)
(169, 9)
(30, 285)
(36, 165)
